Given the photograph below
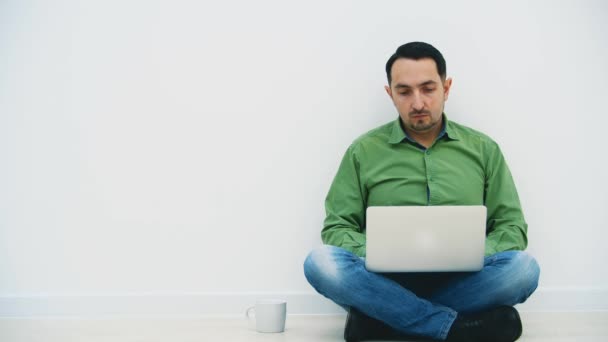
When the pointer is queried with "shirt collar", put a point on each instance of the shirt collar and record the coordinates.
(398, 134)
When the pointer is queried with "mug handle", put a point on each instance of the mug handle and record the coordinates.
(247, 312)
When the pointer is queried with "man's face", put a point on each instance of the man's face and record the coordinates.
(418, 93)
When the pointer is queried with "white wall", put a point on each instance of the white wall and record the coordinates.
(176, 149)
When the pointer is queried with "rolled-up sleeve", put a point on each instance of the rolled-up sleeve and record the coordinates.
(345, 207)
(506, 226)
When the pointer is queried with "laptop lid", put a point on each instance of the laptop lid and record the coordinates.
(425, 238)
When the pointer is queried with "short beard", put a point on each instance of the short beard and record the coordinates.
(422, 127)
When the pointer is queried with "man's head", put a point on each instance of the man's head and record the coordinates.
(418, 86)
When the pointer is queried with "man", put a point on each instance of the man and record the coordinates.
(422, 158)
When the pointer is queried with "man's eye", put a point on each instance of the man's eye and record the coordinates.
(429, 90)
(405, 93)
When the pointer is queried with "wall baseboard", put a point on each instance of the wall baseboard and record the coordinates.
(235, 304)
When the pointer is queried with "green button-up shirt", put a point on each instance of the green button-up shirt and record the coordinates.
(385, 168)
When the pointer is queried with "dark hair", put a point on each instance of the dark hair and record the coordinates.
(416, 51)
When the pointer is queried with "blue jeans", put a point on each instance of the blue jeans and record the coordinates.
(421, 304)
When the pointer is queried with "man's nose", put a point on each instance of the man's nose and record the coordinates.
(418, 104)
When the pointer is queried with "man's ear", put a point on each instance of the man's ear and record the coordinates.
(389, 91)
(447, 84)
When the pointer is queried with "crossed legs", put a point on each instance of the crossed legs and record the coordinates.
(423, 304)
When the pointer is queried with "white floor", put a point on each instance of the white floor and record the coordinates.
(538, 327)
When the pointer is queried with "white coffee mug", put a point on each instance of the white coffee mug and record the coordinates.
(269, 315)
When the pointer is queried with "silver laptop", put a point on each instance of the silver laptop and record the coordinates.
(425, 238)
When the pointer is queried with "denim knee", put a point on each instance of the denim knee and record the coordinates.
(529, 271)
(522, 273)
(320, 264)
